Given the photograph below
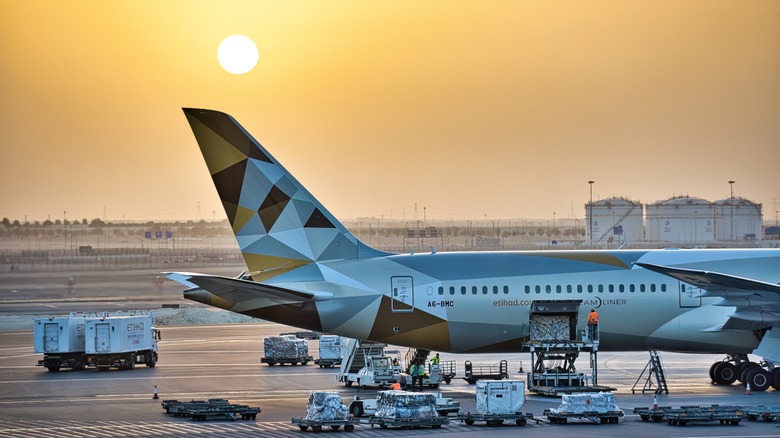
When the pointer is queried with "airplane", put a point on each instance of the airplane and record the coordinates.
(307, 270)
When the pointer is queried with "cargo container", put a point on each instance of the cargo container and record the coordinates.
(331, 351)
(61, 340)
(500, 397)
(121, 341)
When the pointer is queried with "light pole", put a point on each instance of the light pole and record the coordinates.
(590, 213)
(731, 207)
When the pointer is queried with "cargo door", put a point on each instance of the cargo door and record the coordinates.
(689, 295)
(402, 294)
(51, 337)
(103, 337)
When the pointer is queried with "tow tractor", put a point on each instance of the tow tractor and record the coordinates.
(367, 407)
(366, 364)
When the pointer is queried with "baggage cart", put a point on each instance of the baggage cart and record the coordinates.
(606, 417)
(519, 418)
(486, 372)
(730, 415)
(199, 410)
(317, 426)
(408, 423)
(766, 413)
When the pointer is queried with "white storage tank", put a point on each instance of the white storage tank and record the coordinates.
(614, 221)
(680, 220)
(737, 219)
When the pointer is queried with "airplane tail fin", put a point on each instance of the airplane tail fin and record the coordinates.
(279, 225)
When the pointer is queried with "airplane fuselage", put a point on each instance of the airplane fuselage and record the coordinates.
(479, 302)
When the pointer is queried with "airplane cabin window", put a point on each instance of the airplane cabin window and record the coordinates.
(612, 288)
(663, 287)
(527, 289)
(652, 287)
(495, 290)
(452, 290)
(631, 288)
(506, 290)
(579, 288)
(538, 289)
(484, 290)
(558, 288)
(568, 288)
(642, 287)
(601, 288)
(548, 289)
(590, 288)
(473, 290)
(441, 290)
(622, 288)
(463, 290)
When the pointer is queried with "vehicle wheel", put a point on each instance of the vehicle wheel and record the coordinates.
(152, 361)
(356, 409)
(303, 428)
(758, 378)
(776, 378)
(349, 427)
(447, 380)
(468, 422)
(53, 368)
(131, 362)
(743, 369)
(436, 426)
(725, 373)
(270, 364)
(383, 425)
(348, 383)
(520, 422)
(304, 362)
(712, 371)
(336, 427)
(316, 429)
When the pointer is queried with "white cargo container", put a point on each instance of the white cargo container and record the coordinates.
(331, 351)
(121, 341)
(61, 340)
(500, 397)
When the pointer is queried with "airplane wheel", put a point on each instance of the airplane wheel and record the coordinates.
(742, 368)
(357, 410)
(776, 379)
(725, 373)
(758, 378)
(712, 371)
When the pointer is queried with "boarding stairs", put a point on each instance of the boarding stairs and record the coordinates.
(656, 378)
(357, 350)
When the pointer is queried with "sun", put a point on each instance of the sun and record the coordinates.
(237, 54)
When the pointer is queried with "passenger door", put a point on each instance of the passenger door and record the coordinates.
(402, 294)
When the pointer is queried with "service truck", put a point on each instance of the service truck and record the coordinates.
(121, 341)
(61, 340)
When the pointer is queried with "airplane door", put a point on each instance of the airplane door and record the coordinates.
(689, 295)
(402, 294)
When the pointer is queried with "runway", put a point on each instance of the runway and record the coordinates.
(200, 362)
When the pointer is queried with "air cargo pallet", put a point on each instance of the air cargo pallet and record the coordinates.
(317, 426)
(199, 410)
(407, 423)
(291, 360)
(655, 414)
(766, 413)
(519, 418)
(608, 417)
(730, 415)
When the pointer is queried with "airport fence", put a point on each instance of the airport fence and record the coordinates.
(114, 259)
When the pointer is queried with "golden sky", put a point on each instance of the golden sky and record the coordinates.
(500, 109)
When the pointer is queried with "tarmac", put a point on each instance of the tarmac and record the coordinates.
(223, 361)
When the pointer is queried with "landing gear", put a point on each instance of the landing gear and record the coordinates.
(724, 373)
(758, 378)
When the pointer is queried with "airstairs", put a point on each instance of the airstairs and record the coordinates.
(656, 378)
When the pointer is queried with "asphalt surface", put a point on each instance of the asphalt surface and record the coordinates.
(223, 361)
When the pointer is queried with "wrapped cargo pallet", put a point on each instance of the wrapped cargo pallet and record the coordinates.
(500, 397)
(325, 406)
(285, 347)
(578, 403)
(405, 405)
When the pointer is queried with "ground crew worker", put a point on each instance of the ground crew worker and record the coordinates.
(395, 386)
(435, 360)
(418, 373)
(593, 325)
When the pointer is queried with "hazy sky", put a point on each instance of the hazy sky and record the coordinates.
(504, 109)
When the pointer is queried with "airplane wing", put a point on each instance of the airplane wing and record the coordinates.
(757, 302)
(236, 290)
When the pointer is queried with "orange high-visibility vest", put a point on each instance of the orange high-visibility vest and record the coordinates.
(593, 318)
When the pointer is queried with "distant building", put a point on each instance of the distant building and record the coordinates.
(614, 221)
(681, 220)
(737, 219)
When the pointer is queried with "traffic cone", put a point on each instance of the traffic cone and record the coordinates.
(521, 367)
(747, 389)
(155, 396)
(655, 403)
